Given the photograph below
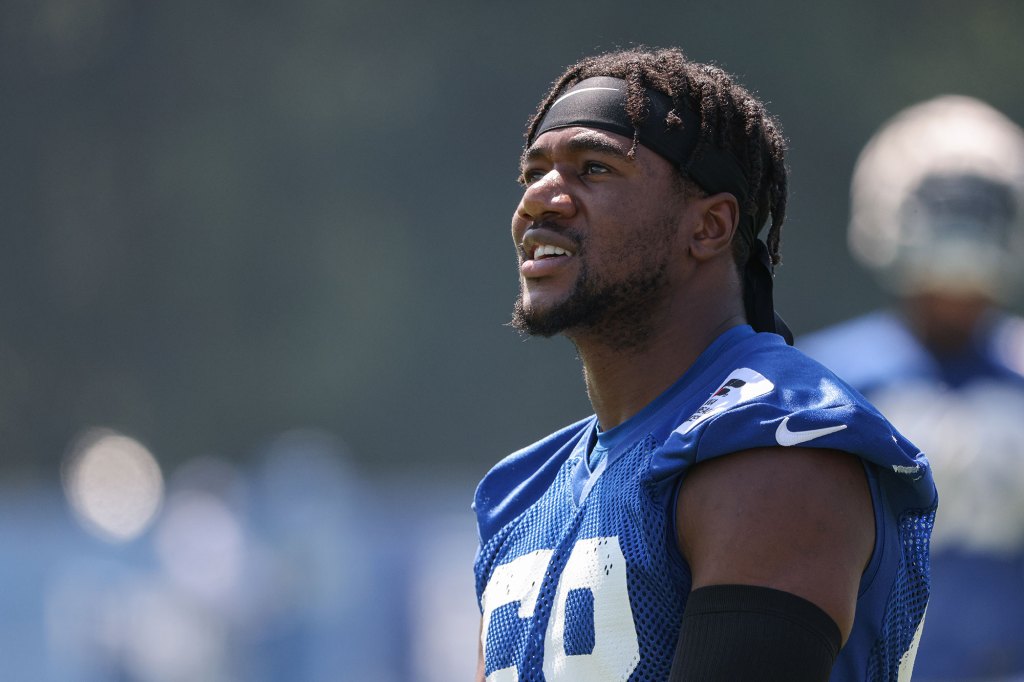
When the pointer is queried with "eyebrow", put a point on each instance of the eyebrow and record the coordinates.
(591, 141)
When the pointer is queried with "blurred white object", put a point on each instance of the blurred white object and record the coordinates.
(937, 199)
(113, 483)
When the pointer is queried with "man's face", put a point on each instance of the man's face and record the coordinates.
(596, 232)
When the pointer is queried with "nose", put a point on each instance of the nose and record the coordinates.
(546, 198)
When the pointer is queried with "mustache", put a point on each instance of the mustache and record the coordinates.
(549, 225)
(574, 235)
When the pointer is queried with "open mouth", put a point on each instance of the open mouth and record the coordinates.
(545, 251)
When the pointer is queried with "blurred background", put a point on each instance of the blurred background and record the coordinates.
(257, 274)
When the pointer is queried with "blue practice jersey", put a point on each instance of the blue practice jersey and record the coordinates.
(578, 574)
(879, 350)
(965, 410)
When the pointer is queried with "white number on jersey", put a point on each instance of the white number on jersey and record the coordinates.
(596, 565)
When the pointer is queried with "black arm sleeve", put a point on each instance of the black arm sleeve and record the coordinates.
(742, 632)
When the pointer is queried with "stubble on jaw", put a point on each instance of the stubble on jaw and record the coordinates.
(617, 313)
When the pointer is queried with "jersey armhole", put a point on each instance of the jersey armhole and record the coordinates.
(675, 553)
(878, 505)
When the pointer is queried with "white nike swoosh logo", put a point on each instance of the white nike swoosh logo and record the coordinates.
(788, 438)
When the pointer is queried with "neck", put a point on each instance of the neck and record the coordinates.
(946, 324)
(621, 382)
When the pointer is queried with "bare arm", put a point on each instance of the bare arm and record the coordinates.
(793, 519)
(481, 665)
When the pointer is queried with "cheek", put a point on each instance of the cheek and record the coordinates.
(518, 228)
(632, 246)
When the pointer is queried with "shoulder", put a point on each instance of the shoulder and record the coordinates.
(775, 396)
(519, 479)
(879, 326)
(869, 350)
(768, 393)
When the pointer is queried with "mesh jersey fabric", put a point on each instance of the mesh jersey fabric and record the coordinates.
(578, 575)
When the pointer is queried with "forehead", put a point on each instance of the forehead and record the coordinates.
(570, 143)
(578, 139)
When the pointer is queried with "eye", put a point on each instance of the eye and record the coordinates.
(528, 176)
(595, 168)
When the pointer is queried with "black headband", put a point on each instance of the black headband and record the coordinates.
(600, 102)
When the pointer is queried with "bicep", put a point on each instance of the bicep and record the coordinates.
(795, 519)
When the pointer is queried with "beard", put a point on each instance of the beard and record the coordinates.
(618, 312)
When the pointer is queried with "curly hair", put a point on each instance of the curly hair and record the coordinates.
(730, 118)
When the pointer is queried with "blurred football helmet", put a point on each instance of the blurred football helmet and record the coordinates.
(937, 200)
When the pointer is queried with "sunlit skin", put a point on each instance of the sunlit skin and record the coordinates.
(628, 213)
(749, 518)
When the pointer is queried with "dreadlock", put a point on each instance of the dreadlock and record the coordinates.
(731, 118)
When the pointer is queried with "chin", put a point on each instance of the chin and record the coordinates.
(535, 320)
(543, 300)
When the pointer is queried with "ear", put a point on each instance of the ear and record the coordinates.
(717, 215)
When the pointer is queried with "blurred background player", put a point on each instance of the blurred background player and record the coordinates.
(937, 211)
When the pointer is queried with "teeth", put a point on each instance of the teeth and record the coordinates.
(549, 250)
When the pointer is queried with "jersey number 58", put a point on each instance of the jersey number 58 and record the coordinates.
(590, 633)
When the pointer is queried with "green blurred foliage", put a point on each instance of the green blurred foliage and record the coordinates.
(226, 219)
